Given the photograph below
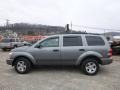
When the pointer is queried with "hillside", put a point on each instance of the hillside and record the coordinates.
(112, 34)
(35, 29)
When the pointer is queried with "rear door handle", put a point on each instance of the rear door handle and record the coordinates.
(81, 49)
(55, 50)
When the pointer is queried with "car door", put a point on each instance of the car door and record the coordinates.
(71, 49)
(48, 52)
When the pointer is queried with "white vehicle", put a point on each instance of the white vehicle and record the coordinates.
(116, 38)
(10, 43)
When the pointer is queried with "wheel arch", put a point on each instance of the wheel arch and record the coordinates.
(16, 58)
(91, 56)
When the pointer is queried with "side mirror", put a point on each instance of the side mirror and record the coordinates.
(38, 46)
(29, 44)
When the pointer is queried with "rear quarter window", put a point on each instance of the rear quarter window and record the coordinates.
(95, 41)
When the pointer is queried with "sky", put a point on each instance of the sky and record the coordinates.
(93, 13)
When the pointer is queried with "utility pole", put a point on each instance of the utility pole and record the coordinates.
(7, 22)
(104, 32)
(67, 28)
(71, 25)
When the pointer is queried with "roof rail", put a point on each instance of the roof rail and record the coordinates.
(81, 33)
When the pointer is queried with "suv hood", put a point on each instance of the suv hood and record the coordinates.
(21, 49)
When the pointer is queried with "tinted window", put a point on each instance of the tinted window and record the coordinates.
(17, 40)
(52, 42)
(12, 40)
(72, 41)
(6, 40)
(95, 41)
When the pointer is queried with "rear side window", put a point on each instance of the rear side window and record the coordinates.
(72, 41)
(12, 40)
(17, 40)
(95, 41)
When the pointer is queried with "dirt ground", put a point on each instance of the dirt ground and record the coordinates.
(59, 78)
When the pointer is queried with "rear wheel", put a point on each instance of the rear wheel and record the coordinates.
(4, 49)
(22, 65)
(90, 66)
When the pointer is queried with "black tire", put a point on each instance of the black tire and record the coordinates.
(25, 44)
(27, 65)
(15, 46)
(91, 69)
(4, 49)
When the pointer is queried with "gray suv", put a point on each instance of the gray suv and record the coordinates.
(84, 50)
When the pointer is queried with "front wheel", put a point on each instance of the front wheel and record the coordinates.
(90, 66)
(22, 65)
(15, 46)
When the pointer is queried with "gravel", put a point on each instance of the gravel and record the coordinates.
(59, 78)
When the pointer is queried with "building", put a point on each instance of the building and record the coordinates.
(30, 38)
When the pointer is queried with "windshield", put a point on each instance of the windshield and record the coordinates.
(37, 42)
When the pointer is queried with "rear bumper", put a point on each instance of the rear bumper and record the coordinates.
(9, 61)
(6, 47)
(106, 61)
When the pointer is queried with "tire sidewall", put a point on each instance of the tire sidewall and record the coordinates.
(27, 63)
(87, 61)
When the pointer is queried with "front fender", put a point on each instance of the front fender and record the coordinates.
(23, 54)
(86, 54)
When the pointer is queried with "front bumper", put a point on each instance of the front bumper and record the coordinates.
(9, 61)
(106, 61)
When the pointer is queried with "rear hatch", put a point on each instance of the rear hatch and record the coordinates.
(5, 43)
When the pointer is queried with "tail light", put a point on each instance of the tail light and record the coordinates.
(110, 53)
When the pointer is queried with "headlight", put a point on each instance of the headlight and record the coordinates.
(10, 53)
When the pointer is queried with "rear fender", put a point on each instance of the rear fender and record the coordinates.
(87, 54)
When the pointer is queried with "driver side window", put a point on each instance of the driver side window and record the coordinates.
(52, 42)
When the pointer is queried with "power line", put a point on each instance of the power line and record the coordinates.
(97, 28)
(2, 19)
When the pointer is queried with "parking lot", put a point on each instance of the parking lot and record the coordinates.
(59, 78)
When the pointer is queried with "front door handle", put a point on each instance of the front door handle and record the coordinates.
(55, 50)
(81, 49)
